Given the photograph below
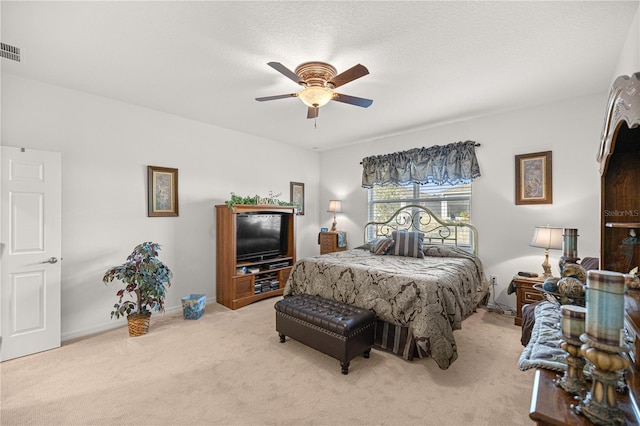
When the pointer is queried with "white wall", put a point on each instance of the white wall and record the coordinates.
(571, 130)
(629, 60)
(106, 146)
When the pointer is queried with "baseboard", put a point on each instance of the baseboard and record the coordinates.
(493, 307)
(64, 337)
(111, 325)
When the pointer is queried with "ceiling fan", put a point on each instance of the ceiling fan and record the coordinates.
(319, 80)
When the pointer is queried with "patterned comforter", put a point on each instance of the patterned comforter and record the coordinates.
(430, 296)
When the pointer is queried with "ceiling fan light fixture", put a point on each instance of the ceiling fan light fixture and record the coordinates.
(319, 80)
(315, 96)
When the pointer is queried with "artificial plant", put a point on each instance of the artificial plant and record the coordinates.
(256, 199)
(146, 281)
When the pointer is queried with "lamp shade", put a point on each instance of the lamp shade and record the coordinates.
(335, 206)
(547, 237)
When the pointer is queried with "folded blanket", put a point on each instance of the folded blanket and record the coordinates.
(543, 349)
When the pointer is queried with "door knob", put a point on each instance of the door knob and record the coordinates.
(51, 260)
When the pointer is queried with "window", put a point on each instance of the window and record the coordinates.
(451, 202)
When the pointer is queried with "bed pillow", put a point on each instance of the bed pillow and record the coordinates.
(381, 246)
(443, 250)
(368, 245)
(407, 244)
(365, 246)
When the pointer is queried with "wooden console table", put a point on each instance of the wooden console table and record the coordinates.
(551, 405)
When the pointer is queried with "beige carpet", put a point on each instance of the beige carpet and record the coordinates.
(229, 367)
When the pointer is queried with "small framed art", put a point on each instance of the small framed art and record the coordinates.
(297, 196)
(533, 178)
(162, 192)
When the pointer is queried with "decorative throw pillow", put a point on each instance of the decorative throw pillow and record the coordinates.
(407, 244)
(368, 245)
(381, 246)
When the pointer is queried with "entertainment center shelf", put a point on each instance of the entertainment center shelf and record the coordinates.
(267, 262)
(255, 251)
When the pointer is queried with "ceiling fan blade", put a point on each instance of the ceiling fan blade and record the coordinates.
(271, 98)
(312, 112)
(285, 71)
(353, 100)
(351, 74)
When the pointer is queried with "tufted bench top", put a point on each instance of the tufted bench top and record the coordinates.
(330, 315)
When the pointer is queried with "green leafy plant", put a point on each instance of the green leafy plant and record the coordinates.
(235, 199)
(146, 281)
(256, 199)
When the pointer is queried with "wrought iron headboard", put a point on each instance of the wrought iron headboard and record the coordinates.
(435, 229)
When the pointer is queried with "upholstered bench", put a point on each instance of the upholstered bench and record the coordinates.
(336, 329)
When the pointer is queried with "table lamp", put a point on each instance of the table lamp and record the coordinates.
(335, 206)
(547, 238)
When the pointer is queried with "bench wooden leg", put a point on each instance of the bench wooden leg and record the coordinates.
(282, 337)
(345, 367)
(367, 353)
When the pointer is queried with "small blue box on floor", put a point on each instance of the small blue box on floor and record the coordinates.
(193, 306)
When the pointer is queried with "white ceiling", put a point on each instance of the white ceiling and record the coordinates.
(430, 62)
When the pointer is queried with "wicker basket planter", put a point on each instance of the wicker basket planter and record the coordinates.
(138, 324)
(145, 280)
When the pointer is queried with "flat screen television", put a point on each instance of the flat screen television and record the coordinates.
(261, 235)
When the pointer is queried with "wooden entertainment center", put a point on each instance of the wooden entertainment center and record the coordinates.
(236, 285)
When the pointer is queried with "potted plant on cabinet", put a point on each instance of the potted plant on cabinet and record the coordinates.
(146, 281)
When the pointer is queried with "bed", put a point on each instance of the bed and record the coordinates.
(419, 297)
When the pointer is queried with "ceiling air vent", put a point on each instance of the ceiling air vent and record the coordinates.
(10, 52)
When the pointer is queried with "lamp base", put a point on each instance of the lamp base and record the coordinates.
(545, 265)
(334, 226)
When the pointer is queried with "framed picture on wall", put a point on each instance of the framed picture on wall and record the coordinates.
(533, 178)
(162, 192)
(297, 195)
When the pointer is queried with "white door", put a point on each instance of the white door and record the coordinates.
(30, 249)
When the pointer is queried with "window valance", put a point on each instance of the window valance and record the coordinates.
(454, 163)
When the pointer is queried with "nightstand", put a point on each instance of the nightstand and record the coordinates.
(525, 293)
(332, 241)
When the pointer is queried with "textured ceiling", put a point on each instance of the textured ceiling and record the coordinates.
(430, 62)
